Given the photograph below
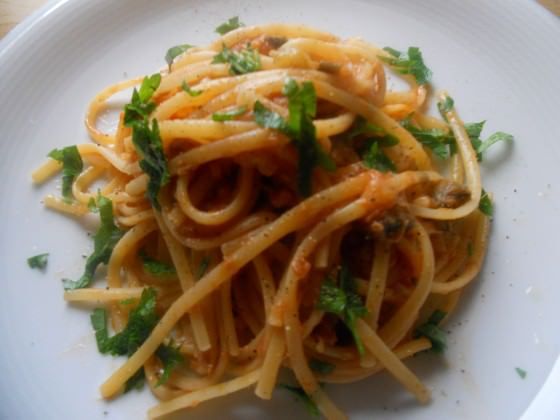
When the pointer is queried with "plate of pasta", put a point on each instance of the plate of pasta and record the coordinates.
(329, 209)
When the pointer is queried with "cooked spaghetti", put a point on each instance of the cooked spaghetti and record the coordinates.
(267, 203)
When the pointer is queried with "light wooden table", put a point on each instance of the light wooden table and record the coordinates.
(14, 11)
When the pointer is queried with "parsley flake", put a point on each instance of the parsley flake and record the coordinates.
(230, 25)
(445, 106)
(304, 398)
(410, 62)
(481, 146)
(435, 139)
(136, 381)
(38, 261)
(191, 92)
(521, 372)
(155, 267)
(375, 158)
(247, 60)
(485, 205)
(229, 114)
(141, 105)
(321, 367)
(431, 330)
(72, 166)
(302, 106)
(170, 357)
(105, 240)
(149, 146)
(343, 301)
(141, 322)
(174, 52)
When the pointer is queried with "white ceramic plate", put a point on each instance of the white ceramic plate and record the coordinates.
(500, 60)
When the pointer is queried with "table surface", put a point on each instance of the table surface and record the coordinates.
(14, 11)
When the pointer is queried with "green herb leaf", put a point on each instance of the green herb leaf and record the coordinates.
(136, 381)
(128, 301)
(522, 373)
(431, 330)
(105, 240)
(140, 324)
(375, 158)
(302, 105)
(269, 119)
(155, 267)
(481, 146)
(92, 205)
(230, 25)
(474, 129)
(438, 141)
(229, 114)
(72, 166)
(149, 146)
(362, 127)
(485, 205)
(38, 261)
(174, 52)
(191, 92)
(410, 62)
(141, 105)
(202, 267)
(344, 302)
(304, 398)
(170, 357)
(146, 140)
(240, 62)
(445, 106)
(323, 368)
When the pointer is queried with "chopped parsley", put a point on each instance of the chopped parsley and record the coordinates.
(38, 261)
(410, 62)
(230, 25)
(445, 106)
(431, 330)
(302, 106)
(187, 88)
(343, 301)
(141, 105)
(435, 139)
(481, 146)
(485, 205)
(104, 241)
(136, 381)
(155, 267)
(72, 166)
(323, 368)
(240, 62)
(229, 114)
(146, 139)
(174, 52)
(92, 205)
(170, 357)
(141, 322)
(521, 372)
(361, 126)
(269, 119)
(304, 398)
(375, 158)
(147, 142)
(202, 267)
